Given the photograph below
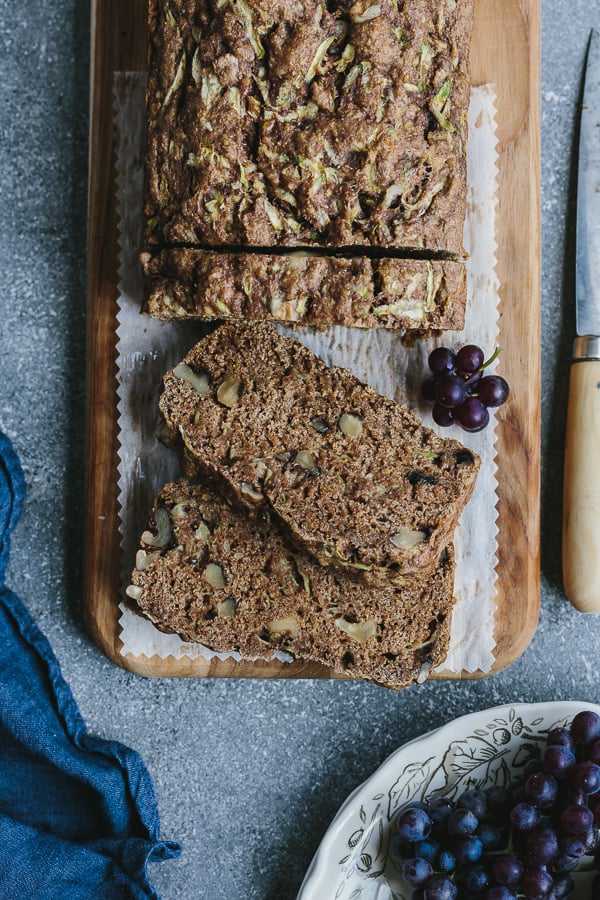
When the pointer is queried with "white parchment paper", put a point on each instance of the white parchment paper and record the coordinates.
(147, 348)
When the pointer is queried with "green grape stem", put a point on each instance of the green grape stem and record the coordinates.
(492, 358)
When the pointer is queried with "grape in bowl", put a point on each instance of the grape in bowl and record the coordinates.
(484, 752)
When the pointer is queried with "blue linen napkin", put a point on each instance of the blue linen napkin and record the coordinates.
(78, 814)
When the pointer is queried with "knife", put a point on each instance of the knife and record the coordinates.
(581, 498)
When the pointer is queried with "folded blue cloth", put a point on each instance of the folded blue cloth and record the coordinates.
(78, 814)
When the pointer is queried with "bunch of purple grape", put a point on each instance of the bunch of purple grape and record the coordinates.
(459, 390)
(520, 841)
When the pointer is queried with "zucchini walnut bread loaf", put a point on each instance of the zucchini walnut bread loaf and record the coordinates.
(212, 575)
(355, 478)
(185, 283)
(308, 123)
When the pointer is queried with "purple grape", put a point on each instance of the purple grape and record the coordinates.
(493, 390)
(468, 849)
(414, 824)
(474, 800)
(542, 846)
(441, 360)
(586, 777)
(451, 391)
(585, 727)
(442, 416)
(446, 862)
(525, 816)
(577, 819)
(595, 808)
(507, 870)
(417, 871)
(439, 809)
(469, 358)
(536, 883)
(427, 849)
(558, 760)
(542, 788)
(475, 878)
(561, 737)
(472, 415)
(573, 844)
(462, 822)
(440, 887)
(490, 835)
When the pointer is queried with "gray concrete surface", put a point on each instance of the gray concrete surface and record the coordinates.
(248, 773)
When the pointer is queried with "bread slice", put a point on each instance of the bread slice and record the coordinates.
(355, 478)
(209, 573)
(308, 288)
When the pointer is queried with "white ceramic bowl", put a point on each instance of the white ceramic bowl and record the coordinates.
(477, 750)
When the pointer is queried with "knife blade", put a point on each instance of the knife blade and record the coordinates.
(581, 495)
(588, 199)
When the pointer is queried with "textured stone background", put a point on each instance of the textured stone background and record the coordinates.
(248, 773)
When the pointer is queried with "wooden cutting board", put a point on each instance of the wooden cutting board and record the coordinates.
(506, 52)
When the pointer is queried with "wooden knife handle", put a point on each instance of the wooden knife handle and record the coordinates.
(581, 498)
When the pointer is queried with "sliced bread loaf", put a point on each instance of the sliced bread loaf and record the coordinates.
(213, 575)
(355, 478)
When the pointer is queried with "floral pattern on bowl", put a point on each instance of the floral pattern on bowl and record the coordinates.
(477, 750)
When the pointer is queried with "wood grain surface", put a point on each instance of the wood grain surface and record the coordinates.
(506, 52)
(581, 518)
